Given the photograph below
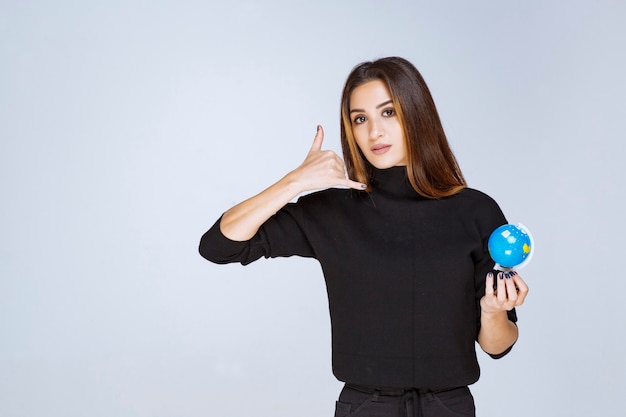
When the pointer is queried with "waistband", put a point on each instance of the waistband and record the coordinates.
(387, 392)
(410, 398)
(398, 392)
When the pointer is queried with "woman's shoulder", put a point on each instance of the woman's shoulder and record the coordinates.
(329, 195)
(322, 202)
(477, 201)
(480, 205)
(472, 194)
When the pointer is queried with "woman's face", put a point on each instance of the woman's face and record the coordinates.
(375, 125)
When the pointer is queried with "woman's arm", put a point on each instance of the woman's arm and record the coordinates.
(497, 332)
(320, 170)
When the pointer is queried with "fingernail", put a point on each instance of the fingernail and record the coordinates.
(318, 128)
(507, 275)
(500, 275)
(513, 273)
(363, 186)
(490, 275)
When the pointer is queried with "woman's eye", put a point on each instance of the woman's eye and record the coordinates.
(359, 119)
(388, 112)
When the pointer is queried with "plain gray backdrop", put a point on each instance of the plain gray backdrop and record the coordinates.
(128, 127)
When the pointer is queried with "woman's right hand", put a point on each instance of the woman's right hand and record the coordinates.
(322, 169)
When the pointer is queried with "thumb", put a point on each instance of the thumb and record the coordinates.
(319, 138)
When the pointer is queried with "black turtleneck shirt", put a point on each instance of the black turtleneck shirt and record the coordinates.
(404, 276)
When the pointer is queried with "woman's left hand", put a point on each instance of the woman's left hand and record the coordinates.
(510, 292)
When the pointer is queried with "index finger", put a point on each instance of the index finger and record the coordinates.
(489, 290)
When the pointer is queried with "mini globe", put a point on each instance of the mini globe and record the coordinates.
(510, 246)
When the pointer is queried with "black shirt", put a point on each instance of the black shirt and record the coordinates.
(404, 276)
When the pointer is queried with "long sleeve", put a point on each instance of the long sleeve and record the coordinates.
(281, 235)
(486, 221)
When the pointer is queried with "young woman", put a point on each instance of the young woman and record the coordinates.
(403, 246)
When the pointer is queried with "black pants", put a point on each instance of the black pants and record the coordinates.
(356, 401)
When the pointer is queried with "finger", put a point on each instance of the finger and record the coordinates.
(355, 185)
(511, 289)
(347, 182)
(489, 290)
(319, 138)
(522, 288)
(520, 283)
(501, 287)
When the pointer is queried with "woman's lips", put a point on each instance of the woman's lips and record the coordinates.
(380, 149)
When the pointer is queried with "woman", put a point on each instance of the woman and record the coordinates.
(403, 248)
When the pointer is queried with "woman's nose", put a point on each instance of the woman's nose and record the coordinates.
(376, 130)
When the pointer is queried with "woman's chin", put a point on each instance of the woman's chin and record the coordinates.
(385, 164)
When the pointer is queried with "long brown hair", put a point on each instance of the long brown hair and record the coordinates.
(432, 169)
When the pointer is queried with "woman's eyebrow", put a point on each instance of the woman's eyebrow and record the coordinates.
(378, 107)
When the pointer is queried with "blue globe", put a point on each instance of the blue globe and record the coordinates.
(509, 245)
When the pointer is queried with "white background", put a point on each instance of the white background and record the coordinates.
(128, 127)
